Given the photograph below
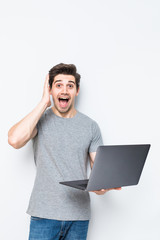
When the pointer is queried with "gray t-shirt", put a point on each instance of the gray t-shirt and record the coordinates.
(61, 150)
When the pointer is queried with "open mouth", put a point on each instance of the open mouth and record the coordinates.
(63, 101)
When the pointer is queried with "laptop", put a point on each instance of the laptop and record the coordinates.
(114, 166)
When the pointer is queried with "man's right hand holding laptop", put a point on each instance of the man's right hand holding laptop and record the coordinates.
(103, 191)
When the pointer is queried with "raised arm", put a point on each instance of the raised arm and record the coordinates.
(20, 133)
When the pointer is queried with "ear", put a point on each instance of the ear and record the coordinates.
(78, 91)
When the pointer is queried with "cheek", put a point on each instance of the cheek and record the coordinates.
(54, 93)
(73, 93)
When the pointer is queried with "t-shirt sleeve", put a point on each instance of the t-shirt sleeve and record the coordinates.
(96, 138)
(40, 121)
(38, 125)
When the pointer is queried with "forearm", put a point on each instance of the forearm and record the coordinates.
(22, 131)
(91, 164)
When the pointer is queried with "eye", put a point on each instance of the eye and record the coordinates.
(58, 85)
(70, 86)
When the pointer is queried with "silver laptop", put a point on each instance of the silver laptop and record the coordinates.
(114, 166)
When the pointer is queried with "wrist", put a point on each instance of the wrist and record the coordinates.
(44, 103)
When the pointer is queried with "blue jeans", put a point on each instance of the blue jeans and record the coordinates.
(48, 229)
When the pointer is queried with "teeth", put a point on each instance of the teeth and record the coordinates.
(64, 98)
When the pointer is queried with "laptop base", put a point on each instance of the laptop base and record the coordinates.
(79, 184)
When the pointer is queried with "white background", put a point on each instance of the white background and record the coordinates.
(116, 48)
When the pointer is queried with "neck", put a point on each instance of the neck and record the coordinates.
(71, 113)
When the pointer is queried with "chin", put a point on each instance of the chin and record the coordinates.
(61, 110)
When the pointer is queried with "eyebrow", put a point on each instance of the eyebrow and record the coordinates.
(61, 81)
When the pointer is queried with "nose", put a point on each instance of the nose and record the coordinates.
(64, 89)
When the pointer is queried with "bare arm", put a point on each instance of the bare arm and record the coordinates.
(24, 130)
(102, 191)
(92, 157)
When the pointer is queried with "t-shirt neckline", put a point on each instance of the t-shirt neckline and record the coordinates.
(65, 119)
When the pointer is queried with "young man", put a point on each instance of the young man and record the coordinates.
(62, 140)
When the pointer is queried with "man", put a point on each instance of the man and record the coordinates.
(62, 140)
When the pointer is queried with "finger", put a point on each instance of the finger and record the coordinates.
(47, 79)
(114, 189)
(108, 189)
(47, 76)
(118, 188)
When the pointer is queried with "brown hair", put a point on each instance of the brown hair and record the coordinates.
(62, 68)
